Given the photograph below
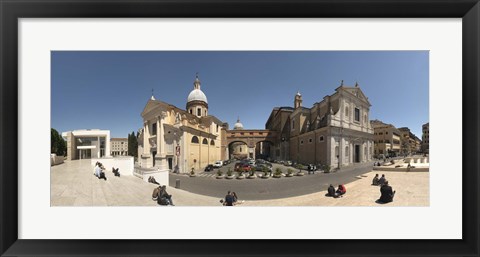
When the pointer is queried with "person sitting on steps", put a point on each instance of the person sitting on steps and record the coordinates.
(341, 190)
(387, 193)
(375, 181)
(382, 180)
(331, 191)
(151, 179)
(164, 198)
(115, 172)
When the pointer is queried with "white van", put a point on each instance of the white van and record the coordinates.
(218, 164)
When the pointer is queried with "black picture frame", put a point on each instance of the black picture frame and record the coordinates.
(11, 11)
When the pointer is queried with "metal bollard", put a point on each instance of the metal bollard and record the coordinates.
(177, 183)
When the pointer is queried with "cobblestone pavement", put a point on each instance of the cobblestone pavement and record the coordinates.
(73, 184)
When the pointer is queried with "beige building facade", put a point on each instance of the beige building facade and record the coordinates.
(387, 139)
(119, 146)
(178, 140)
(335, 131)
(426, 138)
(411, 144)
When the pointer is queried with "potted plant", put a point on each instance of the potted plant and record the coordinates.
(289, 173)
(300, 167)
(265, 172)
(230, 174)
(240, 175)
(220, 174)
(192, 173)
(278, 173)
(251, 174)
(326, 168)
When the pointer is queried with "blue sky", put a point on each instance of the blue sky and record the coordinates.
(109, 89)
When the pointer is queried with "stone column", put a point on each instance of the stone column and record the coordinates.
(146, 135)
(107, 145)
(341, 151)
(98, 147)
(160, 138)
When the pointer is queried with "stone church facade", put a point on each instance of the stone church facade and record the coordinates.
(178, 140)
(335, 131)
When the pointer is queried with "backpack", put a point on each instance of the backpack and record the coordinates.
(155, 193)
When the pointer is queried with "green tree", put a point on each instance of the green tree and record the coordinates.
(132, 145)
(57, 144)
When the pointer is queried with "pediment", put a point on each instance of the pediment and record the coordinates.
(357, 92)
(151, 105)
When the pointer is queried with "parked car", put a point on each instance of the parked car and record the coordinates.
(261, 166)
(218, 164)
(245, 167)
(209, 167)
(287, 163)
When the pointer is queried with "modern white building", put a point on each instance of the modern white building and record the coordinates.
(87, 143)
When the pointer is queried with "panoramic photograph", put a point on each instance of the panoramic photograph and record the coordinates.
(239, 128)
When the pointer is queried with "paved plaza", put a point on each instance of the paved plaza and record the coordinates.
(73, 184)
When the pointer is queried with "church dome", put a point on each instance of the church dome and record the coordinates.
(196, 94)
(238, 125)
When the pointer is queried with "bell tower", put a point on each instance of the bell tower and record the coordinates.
(298, 100)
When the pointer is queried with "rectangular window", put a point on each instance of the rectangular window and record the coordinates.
(154, 129)
(199, 112)
(357, 114)
(217, 127)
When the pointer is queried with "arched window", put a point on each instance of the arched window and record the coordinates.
(205, 141)
(199, 112)
(191, 111)
(212, 142)
(195, 139)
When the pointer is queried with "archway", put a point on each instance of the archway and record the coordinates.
(263, 150)
(238, 150)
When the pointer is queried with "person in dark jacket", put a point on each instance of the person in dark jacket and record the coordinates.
(229, 199)
(387, 193)
(382, 180)
(164, 198)
(331, 191)
(375, 181)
